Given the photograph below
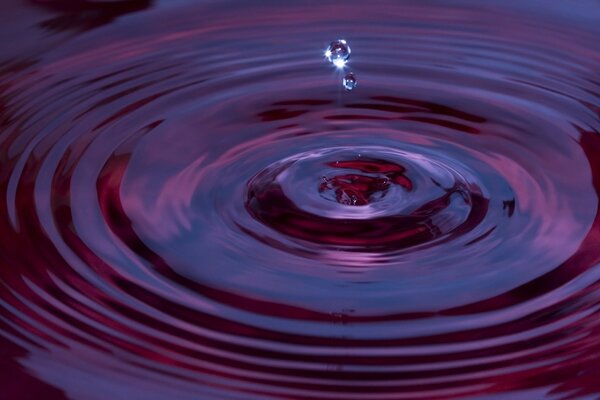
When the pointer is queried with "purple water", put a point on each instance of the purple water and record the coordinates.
(193, 207)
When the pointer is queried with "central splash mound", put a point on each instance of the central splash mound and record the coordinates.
(366, 198)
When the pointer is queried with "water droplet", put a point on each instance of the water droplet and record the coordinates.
(349, 81)
(338, 53)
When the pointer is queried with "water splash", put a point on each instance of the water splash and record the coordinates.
(187, 215)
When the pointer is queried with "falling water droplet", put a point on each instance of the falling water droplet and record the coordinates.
(349, 81)
(338, 53)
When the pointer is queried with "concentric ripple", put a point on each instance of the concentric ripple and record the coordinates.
(398, 211)
(192, 207)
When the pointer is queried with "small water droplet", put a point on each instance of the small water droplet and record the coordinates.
(349, 81)
(338, 53)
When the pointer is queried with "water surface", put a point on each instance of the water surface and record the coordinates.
(193, 207)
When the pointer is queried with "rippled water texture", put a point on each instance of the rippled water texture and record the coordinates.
(193, 207)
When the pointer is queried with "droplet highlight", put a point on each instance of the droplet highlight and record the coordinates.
(338, 53)
(349, 82)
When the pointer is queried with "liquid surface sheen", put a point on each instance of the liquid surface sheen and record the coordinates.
(193, 207)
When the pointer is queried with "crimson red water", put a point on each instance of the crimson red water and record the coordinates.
(193, 207)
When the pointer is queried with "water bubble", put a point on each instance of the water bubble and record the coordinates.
(338, 52)
(349, 81)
